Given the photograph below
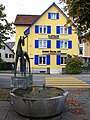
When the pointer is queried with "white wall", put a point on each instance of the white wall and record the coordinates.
(6, 51)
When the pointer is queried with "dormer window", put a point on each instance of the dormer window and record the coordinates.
(53, 15)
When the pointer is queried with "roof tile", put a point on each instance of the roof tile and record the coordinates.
(25, 19)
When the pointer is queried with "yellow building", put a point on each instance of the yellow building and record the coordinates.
(49, 40)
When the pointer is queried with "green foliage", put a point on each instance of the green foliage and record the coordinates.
(5, 27)
(73, 65)
(6, 65)
(1, 61)
(79, 11)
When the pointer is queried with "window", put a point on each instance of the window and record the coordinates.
(53, 16)
(42, 43)
(2, 47)
(42, 29)
(80, 41)
(63, 58)
(64, 44)
(64, 30)
(42, 60)
(6, 55)
(80, 50)
(11, 56)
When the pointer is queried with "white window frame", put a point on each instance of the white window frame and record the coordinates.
(62, 30)
(63, 57)
(53, 16)
(81, 49)
(42, 27)
(42, 57)
(42, 41)
(62, 44)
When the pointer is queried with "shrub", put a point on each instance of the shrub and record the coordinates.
(73, 64)
(6, 65)
(1, 61)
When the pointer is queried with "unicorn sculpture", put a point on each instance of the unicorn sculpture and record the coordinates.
(20, 54)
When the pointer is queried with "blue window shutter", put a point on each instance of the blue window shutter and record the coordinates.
(27, 31)
(36, 44)
(48, 43)
(57, 29)
(36, 57)
(48, 29)
(57, 15)
(36, 29)
(58, 58)
(49, 15)
(48, 59)
(69, 44)
(58, 44)
(69, 30)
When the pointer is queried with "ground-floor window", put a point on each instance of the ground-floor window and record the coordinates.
(45, 59)
(80, 50)
(63, 60)
(42, 60)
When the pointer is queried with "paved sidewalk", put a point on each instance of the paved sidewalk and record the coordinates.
(77, 108)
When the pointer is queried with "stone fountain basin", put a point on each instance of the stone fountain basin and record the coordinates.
(38, 107)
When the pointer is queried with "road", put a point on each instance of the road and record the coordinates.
(39, 79)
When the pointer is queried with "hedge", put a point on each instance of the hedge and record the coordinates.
(6, 65)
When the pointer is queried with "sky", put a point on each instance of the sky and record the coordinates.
(25, 7)
(33, 7)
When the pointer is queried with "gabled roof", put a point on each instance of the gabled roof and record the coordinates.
(46, 11)
(25, 19)
(29, 20)
(10, 44)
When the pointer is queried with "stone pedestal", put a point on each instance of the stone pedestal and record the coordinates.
(22, 81)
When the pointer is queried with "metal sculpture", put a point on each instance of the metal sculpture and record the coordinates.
(20, 54)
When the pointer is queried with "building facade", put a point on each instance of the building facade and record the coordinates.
(49, 39)
(84, 51)
(6, 53)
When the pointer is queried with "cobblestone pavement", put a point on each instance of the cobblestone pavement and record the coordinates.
(77, 107)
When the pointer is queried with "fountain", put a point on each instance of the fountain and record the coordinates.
(35, 101)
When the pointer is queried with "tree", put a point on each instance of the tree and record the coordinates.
(6, 28)
(79, 11)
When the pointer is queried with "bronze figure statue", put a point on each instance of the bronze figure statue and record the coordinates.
(20, 54)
